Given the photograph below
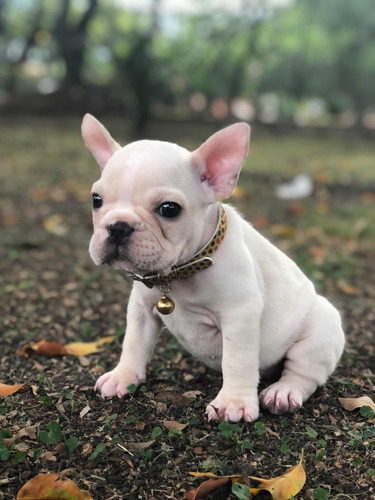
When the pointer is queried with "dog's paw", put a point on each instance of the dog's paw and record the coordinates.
(233, 409)
(279, 398)
(116, 383)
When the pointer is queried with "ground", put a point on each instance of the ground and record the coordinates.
(50, 289)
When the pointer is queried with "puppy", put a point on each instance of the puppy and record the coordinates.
(227, 294)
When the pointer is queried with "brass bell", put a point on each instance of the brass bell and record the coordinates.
(165, 305)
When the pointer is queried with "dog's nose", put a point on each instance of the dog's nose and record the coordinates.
(119, 232)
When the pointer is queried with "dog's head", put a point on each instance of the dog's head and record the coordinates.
(151, 202)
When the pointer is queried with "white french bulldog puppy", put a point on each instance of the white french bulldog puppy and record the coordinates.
(228, 295)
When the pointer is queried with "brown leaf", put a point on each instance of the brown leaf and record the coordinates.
(138, 446)
(192, 394)
(87, 450)
(177, 399)
(42, 348)
(84, 411)
(206, 488)
(351, 404)
(8, 390)
(346, 288)
(29, 431)
(51, 486)
(170, 424)
(48, 456)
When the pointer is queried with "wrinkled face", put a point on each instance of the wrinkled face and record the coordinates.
(148, 208)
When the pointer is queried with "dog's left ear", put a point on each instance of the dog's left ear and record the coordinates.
(98, 140)
(221, 157)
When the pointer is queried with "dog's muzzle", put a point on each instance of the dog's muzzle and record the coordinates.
(119, 232)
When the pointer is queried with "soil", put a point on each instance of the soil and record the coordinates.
(50, 289)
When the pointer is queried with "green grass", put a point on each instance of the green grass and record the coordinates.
(55, 151)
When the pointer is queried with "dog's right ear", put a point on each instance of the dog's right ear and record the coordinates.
(98, 140)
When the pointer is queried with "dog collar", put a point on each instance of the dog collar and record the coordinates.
(201, 260)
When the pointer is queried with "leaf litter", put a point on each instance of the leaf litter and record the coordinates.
(50, 289)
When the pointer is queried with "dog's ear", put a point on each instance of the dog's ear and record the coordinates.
(98, 140)
(221, 157)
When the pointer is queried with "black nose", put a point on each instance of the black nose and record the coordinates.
(118, 232)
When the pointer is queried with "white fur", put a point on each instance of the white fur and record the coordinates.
(252, 308)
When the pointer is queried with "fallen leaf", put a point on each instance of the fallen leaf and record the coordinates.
(177, 399)
(87, 449)
(84, 411)
(171, 424)
(138, 446)
(351, 404)
(84, 348)
(281, 487)
(285, 486)
(48, 456)
(282, 230)
(8, 390)
(206, 488)
(42, 348)
(55, 224)
(29, 431)
(192, 394)
(52, 486)
(346, 288)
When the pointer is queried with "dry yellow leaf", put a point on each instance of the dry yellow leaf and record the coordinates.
(84, 348)
(285, 486)
(55, 224)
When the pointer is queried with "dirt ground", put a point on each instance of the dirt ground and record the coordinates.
(49, 289)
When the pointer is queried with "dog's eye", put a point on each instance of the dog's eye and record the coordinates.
(97, 202)
(169, 209)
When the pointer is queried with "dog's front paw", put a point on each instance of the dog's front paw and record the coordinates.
(116, 383)
(280, 397)
(233, 409)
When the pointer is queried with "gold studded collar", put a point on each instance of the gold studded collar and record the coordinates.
(201, 260)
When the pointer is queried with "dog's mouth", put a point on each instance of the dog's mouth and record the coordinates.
(119, 257)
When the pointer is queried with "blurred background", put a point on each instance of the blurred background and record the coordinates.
(276, 62)
(301, 72)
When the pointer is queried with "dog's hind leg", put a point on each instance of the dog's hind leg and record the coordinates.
(309, 361)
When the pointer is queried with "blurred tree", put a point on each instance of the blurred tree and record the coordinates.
(305, 49)
(16, 48)
(321, 49)
(138, 73)
(71, 39)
